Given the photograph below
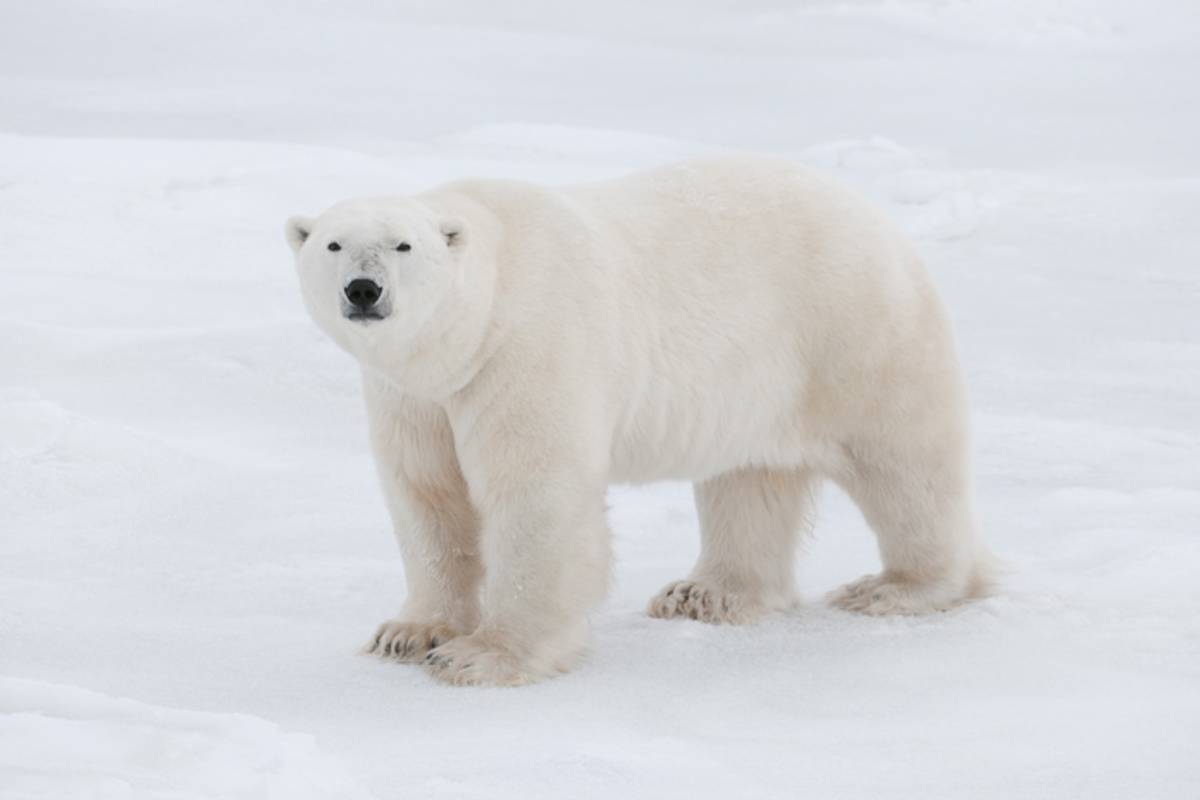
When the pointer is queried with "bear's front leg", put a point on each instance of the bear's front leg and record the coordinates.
(540, 493)
(435, 524)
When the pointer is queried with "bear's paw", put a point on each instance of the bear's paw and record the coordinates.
(408, 641)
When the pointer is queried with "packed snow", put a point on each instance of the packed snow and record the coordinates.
(192, 543)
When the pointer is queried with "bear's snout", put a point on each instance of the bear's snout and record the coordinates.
(363, 293)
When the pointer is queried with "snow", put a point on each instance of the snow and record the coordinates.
(192, 544)
(59, 741)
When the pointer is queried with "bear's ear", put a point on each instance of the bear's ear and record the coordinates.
(297, 230)
(452, 229)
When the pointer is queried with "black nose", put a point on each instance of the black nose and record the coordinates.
(363, 292)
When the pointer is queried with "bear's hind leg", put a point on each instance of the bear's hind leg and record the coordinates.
(920, 511)
(750, 520)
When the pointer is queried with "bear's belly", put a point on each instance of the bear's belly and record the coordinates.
(694, 435)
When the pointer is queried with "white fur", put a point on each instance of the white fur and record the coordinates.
(736, 322)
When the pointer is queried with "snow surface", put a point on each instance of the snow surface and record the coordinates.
(192, 544)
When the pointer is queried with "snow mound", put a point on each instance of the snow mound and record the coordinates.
(581, 143)
(61, 741)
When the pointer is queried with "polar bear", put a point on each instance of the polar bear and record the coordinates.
(737, 322)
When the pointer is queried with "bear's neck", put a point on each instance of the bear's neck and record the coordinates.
(444, 357)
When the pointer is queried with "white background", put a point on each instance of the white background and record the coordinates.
(192, 544)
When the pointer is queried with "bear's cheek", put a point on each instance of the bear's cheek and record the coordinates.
(321, 294)
(412, 285)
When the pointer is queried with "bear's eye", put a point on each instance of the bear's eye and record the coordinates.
(334, 247)
(404, 247)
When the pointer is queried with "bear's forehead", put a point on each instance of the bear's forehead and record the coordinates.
(371, 219)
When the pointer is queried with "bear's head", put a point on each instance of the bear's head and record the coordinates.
(379, 274)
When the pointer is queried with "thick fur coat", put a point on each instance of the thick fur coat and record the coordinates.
(736, 322)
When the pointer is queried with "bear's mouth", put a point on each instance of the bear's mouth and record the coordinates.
(364, 316)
